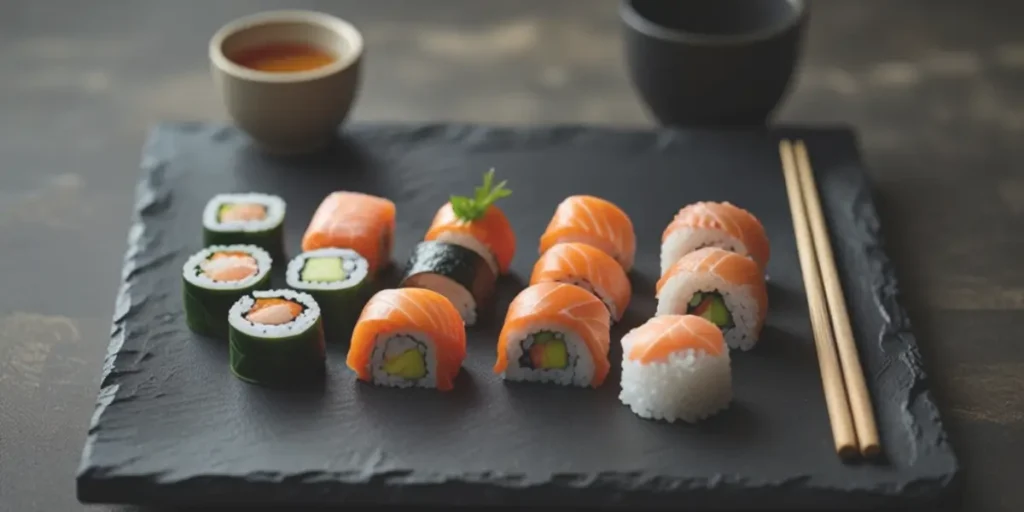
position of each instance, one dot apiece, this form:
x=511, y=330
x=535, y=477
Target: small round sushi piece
x=276, y=338
x=711, y=224
x=675, y=367
x=589, y=268
x=362, y=222
x=217, y=276
x=408, y=337
x=338, y=280
x=459, y=274
x=593, y=221
x=721, y=286
x=555, y=333
x=245, y=218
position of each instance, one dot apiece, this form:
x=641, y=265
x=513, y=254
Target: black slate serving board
x=172, y=426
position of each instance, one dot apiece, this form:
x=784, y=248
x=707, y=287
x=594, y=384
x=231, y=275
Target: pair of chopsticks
x=846, y=394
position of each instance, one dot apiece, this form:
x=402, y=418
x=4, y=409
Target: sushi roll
x=357, y=221
x=711, y=224
x=408, y=337
x=276, y=338
x=245, y=218
x=589, y=268
x=675, y=367
x=337, y=279
x=459, y=274
x=724, y=287
x=217, y=276
x=556, y=333
x=593, y=221
x=476, y=223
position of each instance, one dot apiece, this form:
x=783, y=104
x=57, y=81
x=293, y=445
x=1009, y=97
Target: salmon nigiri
x=357, y=221
x=408, y=337
x=724, y=287
x=590, y=268
x=593, y=221
x=675, y=367
x=711, y=224
x=555, y=332
x=477, y=224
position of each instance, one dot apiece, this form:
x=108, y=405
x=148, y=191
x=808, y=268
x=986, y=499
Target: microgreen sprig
x=473, y=208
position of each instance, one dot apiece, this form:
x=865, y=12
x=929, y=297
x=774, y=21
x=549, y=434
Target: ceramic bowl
x=292, y=112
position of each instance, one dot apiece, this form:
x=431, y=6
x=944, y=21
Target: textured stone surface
x=172, y=425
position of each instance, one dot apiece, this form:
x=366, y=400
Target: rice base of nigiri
x=740, y=322
x=686, y=240
x=689, y=385
x=548, y=352
x=404, y=359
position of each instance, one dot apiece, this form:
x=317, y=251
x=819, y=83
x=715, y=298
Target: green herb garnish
x=473, y=208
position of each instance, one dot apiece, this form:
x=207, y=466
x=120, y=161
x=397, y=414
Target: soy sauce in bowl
x=283, y=57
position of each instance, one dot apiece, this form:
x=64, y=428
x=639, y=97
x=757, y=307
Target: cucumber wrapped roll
x=217, y=276
x=245, y=218
x=277, y=338
x=338, y=279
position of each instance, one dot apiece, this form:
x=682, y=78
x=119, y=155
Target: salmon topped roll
x=408, y=337
x=593, y=221
x=711, y=224
x=357, y=221
x=721, y=286
x=675, y=367
x=589, y=268
x=477, y=224
x=555, y=332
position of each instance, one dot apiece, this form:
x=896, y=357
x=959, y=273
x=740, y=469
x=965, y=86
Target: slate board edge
x=104, y=484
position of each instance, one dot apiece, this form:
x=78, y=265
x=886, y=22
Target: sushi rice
x=274, y=205
x=689, y=386
x=192, y=270
x=303, y=322
x=579, y=369
x=686, y=240
x=740, y=301
x=395, y=344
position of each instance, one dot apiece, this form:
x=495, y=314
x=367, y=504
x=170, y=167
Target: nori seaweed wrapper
x=463, y=266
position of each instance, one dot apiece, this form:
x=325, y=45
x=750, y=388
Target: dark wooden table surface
x=936, y=89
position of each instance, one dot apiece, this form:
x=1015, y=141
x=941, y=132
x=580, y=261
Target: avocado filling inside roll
x=273, y=311
x=229, y=266
x=325, y=270
x=544, y=350
x=710, y=306
x=241, y=212
x=406, y=358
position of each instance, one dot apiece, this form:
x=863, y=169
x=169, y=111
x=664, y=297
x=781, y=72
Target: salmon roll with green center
x=589, y=268
x=721, y=286
x=555, y=333
x=245, y=218
x=593, y=221
x=276, y=338
x=711, y=224
x=408, y=337
x=478, y=224
x=217, y=276
x=676, y=367
x=357, y=221
x=338, y=281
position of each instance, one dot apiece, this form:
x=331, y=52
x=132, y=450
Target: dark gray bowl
x=712, y=62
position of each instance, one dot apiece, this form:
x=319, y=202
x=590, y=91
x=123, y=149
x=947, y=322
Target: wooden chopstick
x=853, y=374
x=843, y=433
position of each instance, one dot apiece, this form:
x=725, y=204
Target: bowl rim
x=645, y=26
x=343, y=28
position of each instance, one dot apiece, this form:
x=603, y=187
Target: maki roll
x=408, y=337
x=723, y=287
x=589, y=268
x=357, y=221
x=336, y=278
x=675, y=367
x=593, y=221
x=710, y=224
x=217, y=276
x=245, y=218
x=476, y=223
x=276, y=338
x=557, y=333
x=459, y=274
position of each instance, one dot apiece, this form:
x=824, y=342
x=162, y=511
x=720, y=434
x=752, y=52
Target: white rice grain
x=689, y=386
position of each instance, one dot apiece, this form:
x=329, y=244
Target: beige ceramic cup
x=287, y=113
